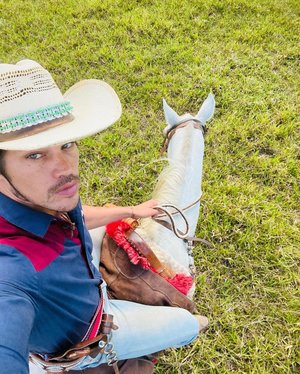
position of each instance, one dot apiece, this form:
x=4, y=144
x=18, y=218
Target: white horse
x=180, y=185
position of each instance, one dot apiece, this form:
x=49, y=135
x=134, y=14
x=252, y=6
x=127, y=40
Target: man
x=49, y=288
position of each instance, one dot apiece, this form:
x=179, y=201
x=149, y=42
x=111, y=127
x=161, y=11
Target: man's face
x=47, y=177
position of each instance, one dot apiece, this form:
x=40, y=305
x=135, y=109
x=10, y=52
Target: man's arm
x=16, y=321
x=101, y=216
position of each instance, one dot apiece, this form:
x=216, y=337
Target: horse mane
x=168, y=184
x=171, y=180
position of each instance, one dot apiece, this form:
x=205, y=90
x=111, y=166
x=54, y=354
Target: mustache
x=62, y=181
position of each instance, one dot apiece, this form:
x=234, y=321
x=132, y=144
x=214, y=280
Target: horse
x=179, y=186
x=178, y=192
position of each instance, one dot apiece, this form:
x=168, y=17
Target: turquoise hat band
x=21, y=121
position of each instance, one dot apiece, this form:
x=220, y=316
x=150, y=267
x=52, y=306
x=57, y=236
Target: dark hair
x=2, y=153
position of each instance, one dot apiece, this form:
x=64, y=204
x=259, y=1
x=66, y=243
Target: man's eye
x=68, y=145
x=34, y=156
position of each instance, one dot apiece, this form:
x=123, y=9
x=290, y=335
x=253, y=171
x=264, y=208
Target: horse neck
x=180, y=182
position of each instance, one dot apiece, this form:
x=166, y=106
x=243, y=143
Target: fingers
x=145, y=209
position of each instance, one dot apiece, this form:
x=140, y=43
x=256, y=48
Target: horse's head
x=204, y=114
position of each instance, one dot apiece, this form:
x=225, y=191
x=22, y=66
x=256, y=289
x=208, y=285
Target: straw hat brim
x=96, y=106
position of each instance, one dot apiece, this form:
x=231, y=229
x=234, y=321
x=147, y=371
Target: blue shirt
x=48, y=284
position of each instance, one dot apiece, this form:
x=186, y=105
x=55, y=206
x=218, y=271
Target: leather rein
x=191, y=240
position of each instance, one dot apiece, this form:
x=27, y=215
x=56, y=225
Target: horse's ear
x=171, y=116
x=207, y=109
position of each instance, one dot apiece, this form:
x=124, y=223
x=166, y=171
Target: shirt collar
x=25, y=217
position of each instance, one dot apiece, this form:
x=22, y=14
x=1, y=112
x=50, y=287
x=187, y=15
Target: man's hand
x=101, y=216
x=146, y=209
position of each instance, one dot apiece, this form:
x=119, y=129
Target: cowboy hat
x=34, y=113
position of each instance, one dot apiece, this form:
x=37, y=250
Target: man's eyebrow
x=41, y=150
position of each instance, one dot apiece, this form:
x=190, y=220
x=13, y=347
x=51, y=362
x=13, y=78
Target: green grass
x=247, y=53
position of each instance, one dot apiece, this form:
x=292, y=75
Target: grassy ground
x=247, y=53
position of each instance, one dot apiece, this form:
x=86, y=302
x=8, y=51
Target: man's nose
x=62, y=165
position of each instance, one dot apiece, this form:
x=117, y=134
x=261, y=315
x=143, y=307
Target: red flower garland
x=116, y=230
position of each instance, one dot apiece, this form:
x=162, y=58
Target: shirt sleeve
x=16, y=321
x=17, y=315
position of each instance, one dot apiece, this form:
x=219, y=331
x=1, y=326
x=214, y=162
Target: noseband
x=196, y=123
